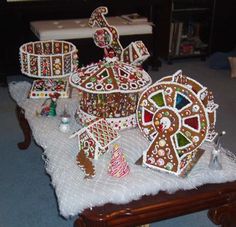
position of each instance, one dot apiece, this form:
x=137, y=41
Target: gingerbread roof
x=110, y=76
x=102, y=133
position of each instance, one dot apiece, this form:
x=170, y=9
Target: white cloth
x=74, y=194
x=79, y=28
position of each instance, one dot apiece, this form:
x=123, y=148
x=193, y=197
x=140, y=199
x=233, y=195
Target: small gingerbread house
x=95, y=138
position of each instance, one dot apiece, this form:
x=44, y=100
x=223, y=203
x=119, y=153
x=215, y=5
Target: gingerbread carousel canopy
x=48, y=59
x=50, y=62
x=177, y=114
x=110, y=76
x=110, y=88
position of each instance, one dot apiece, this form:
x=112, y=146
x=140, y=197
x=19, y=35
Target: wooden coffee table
x=219, y=199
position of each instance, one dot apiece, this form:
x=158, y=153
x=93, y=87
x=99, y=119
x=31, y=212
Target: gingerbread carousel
x=110, y=88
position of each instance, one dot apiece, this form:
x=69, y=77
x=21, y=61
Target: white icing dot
x=57, y=72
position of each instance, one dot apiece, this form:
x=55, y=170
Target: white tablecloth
x=74, y=194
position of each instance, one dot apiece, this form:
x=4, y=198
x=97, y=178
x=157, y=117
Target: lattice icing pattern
x=174, y=115
x=121, y=123
x=96, y=137
x=103, y=133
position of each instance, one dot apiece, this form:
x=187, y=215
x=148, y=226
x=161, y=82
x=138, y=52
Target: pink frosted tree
x=118, y=166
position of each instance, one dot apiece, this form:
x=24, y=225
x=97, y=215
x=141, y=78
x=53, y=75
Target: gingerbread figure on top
x=107, y=37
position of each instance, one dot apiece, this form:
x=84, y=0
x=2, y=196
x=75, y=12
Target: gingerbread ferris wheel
x=176, y=114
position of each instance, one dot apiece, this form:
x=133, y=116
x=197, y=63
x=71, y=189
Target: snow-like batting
x=74, y=193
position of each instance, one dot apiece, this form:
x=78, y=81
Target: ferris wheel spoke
x=150, y=131
x=188, y=132
x=187, y=111
x=161, y=154
x=170, y=99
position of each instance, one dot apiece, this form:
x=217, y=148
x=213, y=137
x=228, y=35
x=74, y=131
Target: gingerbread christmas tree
x=118, y=166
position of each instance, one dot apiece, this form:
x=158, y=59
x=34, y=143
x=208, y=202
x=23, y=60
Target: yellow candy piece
x=156, y=122
x=162, y=143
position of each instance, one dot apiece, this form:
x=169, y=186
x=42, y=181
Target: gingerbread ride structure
x=50, y=62
x=110, y=88
x=176, y=114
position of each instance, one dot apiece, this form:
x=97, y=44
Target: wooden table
x=220, y=199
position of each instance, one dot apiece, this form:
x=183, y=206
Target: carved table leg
x=25, y=128
x=224, y=216
x=79, y=222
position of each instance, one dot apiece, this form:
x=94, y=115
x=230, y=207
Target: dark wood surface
x=219, y=199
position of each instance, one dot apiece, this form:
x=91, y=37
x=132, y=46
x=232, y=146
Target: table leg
x=79, y=222
x=25, y=128
x=224, y=215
